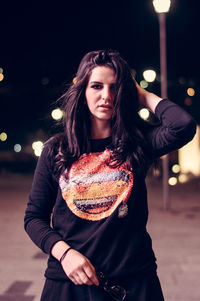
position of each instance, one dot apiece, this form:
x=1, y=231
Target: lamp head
x=161, y=6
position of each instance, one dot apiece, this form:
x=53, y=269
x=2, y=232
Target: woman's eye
x=96, y=87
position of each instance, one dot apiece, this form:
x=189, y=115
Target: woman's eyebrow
x=95, y=82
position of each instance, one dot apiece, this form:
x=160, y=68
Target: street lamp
x=162, y=7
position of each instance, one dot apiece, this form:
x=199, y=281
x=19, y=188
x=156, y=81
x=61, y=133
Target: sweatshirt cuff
x=50, y=242
x=164, y=103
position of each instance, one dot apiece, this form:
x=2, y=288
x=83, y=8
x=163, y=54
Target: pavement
x=175, y=234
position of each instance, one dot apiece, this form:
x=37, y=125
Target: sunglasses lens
x=117, y=292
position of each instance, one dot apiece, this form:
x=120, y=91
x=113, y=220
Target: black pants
x=143, y=288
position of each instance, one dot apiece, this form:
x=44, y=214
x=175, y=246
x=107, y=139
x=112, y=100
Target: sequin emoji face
x=100, y=93
x=93, y=190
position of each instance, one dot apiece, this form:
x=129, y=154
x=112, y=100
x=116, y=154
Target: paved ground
x=175, y=234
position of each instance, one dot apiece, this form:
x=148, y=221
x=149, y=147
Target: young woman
x=91, y=179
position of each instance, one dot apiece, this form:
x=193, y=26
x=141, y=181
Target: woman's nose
x=107, y=94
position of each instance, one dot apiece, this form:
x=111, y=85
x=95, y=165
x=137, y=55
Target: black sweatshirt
x=98, y=210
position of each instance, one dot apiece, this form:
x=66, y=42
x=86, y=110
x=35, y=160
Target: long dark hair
x=127, y=140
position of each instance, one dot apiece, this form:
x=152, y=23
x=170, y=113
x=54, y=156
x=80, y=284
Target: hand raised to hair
x=141, y=94
x=147, y=99
x=79, y=269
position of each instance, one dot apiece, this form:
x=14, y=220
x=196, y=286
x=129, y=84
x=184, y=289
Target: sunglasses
x=117, y=292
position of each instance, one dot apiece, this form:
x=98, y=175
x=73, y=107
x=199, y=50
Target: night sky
x=42, y=44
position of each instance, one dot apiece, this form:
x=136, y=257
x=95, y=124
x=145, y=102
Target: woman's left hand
x=79, y=269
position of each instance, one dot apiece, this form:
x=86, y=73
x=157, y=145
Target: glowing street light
x=162, y=7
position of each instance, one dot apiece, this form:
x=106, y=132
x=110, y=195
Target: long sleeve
x=176, y=129
x=41, y=201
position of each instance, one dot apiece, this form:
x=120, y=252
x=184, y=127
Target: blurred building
x=189, y=156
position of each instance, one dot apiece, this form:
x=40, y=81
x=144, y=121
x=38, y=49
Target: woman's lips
x=105, y=107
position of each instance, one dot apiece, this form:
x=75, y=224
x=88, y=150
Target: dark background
x=41, y=45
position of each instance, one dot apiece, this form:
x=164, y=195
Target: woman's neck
x=100, y=130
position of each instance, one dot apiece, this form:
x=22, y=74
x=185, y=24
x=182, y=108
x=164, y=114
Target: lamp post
x=162, y=7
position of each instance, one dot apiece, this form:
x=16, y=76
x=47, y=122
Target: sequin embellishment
x=93, y=190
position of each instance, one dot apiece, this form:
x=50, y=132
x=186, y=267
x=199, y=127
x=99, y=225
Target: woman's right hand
x=79, y=269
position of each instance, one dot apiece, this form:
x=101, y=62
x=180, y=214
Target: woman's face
x=100, y=93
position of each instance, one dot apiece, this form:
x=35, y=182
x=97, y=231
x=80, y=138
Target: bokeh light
x=183, y=178
x=188, y=101
x=1, y=77
x=37, y=147
x=17, y=148
x=57, y=114
x=190, y=92
x=144, y=113
x=3, y=136
x=143, y=84
x=172, y=181
x=1, y=70
x=176, y=168
x=149, y=75
x=74, y=80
